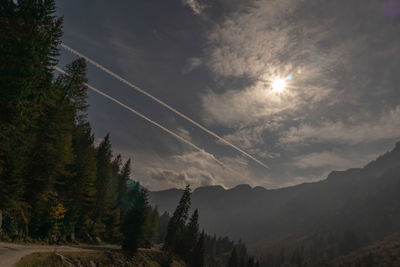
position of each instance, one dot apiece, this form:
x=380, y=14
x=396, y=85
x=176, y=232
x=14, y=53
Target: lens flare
x=278, y=85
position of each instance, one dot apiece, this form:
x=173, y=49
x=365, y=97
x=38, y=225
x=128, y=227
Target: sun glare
x=278, y=85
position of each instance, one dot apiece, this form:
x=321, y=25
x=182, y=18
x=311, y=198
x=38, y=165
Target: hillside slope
x=350, y=208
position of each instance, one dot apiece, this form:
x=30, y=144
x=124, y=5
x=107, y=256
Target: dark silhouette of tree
x=104, y=173
x=233, y=260
x=162, y=226
x=29, y=37
x=176, y=225
x=151, y=227
x=185, y=246
x=250, y=262
x=78, y=189
x=198, y=254
x=134, y=223
x=123, y=178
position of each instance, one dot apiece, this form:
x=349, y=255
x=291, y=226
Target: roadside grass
x=40, y=259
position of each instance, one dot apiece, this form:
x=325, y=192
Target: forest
x=57, y=185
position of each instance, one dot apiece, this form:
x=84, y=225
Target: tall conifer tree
x=198, y=254
x=176, y=225
x=29, y=35
x=134, y=223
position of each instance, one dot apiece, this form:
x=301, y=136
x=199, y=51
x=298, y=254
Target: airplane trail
x=146, y=118
x=116, y=76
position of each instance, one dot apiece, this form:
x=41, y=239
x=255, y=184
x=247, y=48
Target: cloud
x=247, y=138
x=197, y=169
x=249, y=40
x=263, y=42
x=333, y=57
x=251, y=139
x=332, y=160
x=343, y=58
x=183, y=133
x=167, y=175
x=191, y=64
x=385, y=127
x=343, y=70
x=195, y=5
x=257, y=104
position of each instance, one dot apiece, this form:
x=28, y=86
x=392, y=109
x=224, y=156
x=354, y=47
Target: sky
x=216, y=61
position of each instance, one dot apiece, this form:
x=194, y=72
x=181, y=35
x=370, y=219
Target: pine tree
x=29, y=35
x=114, y=181
x=78, y=189
x=81, y=186
x=198, y=254
x=134, y=223
x=104, y=173
x=113, y=214
x=151, y=227
x=185, y=246
x=250, y=262
x=176, y=225
x=163, y=222
x=233, y=260
x=123, y=179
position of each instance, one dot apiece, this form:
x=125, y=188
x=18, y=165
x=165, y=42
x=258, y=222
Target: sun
x=278, y=85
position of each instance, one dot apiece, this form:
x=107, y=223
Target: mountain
x=349, y=209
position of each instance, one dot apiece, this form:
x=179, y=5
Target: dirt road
x=10, y=254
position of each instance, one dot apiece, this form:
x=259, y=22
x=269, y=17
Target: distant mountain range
x=352, y=208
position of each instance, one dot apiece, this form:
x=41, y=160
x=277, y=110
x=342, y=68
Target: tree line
x=183, y=238
x=55, y=183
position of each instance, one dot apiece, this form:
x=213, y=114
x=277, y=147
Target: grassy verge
x=144, y=257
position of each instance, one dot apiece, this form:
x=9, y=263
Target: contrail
x=163, y=104
x=145, y=118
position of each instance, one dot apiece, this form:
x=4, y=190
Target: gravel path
x=10, y=253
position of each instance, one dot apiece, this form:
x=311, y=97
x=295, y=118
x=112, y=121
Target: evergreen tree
x=151, y=227
x=176, y=225
x=114, y=180
x=123, y=179
x=185, y=246
x=78, y=189
x=133, y=225
x=233, y=260
x=250, y=262
x=81, y=186
x=163, y=221
x=29, y=35
x=112, y=215
x=104, y=172
x=198, y=254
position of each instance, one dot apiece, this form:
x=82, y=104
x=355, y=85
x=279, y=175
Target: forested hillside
x=55, y=184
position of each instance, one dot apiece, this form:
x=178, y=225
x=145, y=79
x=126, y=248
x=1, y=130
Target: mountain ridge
x=362, y=201
x=332, y=175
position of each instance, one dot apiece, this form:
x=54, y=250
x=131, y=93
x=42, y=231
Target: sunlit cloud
x=332, y=159
x=195, y=5
x=196, y=169
x=386, y=127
